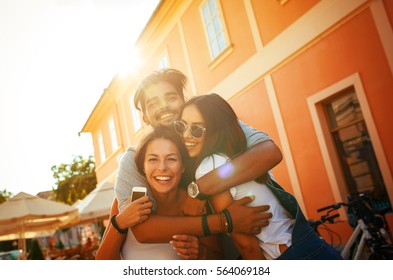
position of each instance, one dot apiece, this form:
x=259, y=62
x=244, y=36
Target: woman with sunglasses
x=213, y=136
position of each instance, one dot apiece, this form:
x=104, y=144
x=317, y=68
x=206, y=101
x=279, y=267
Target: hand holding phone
x=138, y=192
x=132, y=213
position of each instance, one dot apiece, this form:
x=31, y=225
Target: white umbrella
x=27, y=216
x=97, y=204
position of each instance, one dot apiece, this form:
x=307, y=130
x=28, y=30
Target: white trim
x=384, y=29
x=253, y=25
x=137, y=125
x=311, y=25
x=187, y=59
x=101, y=147
x=286, y=149
x=124, y=130
x=320, y=127
x=113, y=133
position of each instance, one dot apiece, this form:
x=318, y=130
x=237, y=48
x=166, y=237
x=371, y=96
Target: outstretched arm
x=160, y=229
x=132, y=213
x=248, y=166
x=262, y=155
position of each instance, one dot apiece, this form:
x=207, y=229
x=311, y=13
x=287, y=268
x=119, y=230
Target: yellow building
x=315, y=74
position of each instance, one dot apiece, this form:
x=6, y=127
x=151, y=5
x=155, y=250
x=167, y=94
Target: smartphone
x=138, y=192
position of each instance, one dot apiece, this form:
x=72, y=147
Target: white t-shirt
x=280, y=226
x=134, y=250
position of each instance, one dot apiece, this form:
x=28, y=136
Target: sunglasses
x=196, y=130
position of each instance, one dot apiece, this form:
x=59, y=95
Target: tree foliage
x=74, y=180
x=5, y=195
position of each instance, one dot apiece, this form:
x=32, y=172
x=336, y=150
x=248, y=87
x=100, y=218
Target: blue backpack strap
x=287, y=200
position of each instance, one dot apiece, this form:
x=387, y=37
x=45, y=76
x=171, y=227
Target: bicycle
x=371, y=238
x=320, y=224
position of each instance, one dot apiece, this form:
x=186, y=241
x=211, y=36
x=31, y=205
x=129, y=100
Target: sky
x=56, y=59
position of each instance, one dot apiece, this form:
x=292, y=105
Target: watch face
x=192, y=189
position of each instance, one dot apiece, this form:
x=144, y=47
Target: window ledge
x=223, y=55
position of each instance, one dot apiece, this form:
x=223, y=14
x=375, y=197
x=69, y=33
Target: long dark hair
x=223, y=132
x=162, y=132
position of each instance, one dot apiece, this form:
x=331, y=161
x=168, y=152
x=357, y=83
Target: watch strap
x=202, y=196
x=116, y=226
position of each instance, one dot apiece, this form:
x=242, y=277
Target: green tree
x=74, y=180
x=5, y=195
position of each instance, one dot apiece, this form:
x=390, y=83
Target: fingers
x=186, y=246
x=261, y=208
x=143, y=214
x=143, y=218
x=258, y=226
x=247, y=219
x=142, y=199
x=188, y=256
x=147, y=205
x=263, y=223
x=257, y=230
x=185, y=238
x=137, y=211
x=245, y=200
x=139, y=204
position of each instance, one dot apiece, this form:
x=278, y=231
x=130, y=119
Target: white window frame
x=112, y=132
x=101, y=146
x=135, y=115
x=164, y=60
x=315, y=105
x=215, y=48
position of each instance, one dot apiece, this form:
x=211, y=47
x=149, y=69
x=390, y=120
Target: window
x=164, y=61
x=214, y=28
x=112, y=131
x=136, y=118
x=353, y=145
x=101, y=147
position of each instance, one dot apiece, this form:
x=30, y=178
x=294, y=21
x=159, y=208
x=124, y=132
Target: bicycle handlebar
x=332, y=217
x=333, y=206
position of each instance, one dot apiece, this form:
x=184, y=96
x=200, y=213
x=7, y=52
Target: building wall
x=353, y=47
x=283, y=62
x=267, y=13
x=257, y=95
x=208, y=73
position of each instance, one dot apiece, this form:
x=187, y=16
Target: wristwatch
x=193, y=191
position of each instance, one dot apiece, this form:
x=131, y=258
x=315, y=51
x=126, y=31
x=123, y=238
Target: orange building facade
x=316, y=75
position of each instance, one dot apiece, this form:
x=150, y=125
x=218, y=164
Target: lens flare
x=226, y=170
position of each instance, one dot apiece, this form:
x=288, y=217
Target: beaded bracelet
x=229, y=220
x=223, y=222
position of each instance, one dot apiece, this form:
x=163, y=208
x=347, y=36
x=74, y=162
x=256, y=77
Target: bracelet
x=229, y=220
x=205, y=226
x=223, y=222
x=116, y=226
